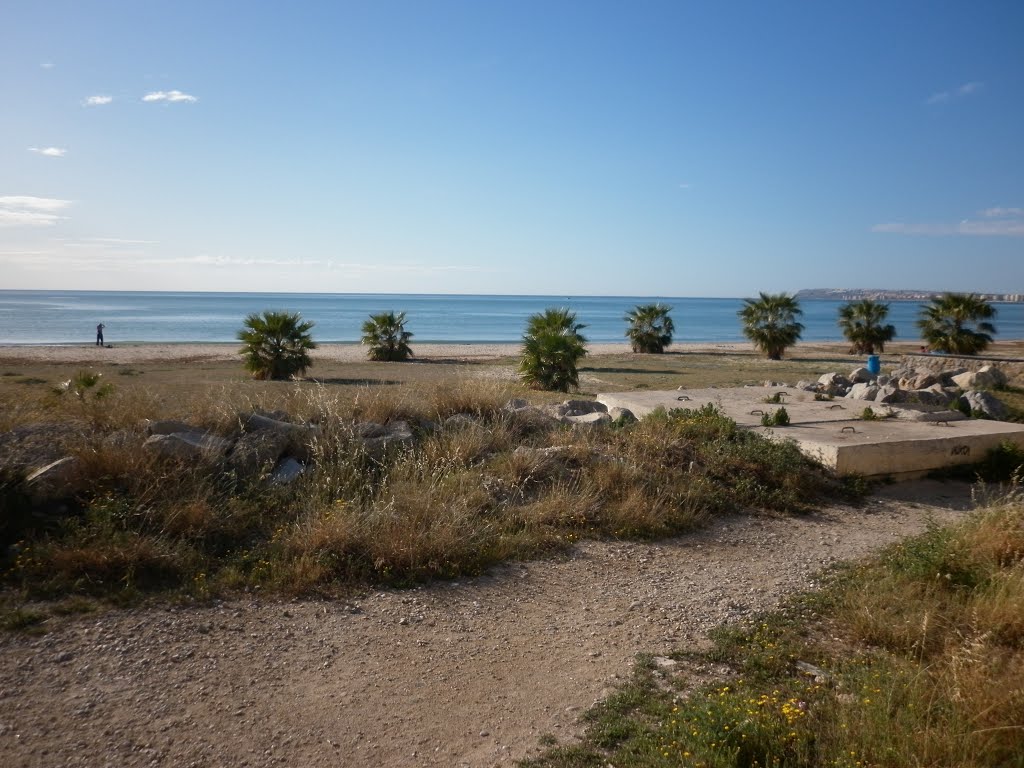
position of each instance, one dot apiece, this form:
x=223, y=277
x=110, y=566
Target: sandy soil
x=457, y=674
x=350, y=353
x=346, y=353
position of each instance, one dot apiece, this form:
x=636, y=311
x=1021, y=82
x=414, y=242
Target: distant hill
x=880, y=294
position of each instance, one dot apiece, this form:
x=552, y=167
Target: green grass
x=915, y=658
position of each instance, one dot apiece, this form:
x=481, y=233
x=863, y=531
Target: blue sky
x=649, y=148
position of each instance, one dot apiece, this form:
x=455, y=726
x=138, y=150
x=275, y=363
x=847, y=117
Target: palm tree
x=771, y=322
x=650, y=328
x=945, y=321
x=861, y=323
x=387, y=338
x=276, y=345
x=552, y=348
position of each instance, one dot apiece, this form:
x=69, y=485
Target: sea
x=129, y=317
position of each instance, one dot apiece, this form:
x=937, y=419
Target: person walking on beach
x=99, y=335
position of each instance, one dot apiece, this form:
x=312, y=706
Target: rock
x=167, y=427
x=287, y=471
x=554, y=452
x=369, y=429
x=60, y=479
x=834, y=384
x=579, y=408
x=622, y=415
x=297, y=435
x=890, y=393
x=909, y=413
x=881, y=380
x=985, y=404
x=534, y=419
x=187, y=446
x=807, y=386
x=926, y=397
x=861, y=376
x=918, y=380
x=862, y=391
x=459, y=421
x=998, y=377
x=986, y=377
x=516, y=404
x=396, y=434
x=946, y=377
x=255, y=451
x=588, y=419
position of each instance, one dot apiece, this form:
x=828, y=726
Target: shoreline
x=353, y=352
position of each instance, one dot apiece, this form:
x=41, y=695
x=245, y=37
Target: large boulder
x=378, y=438
x=834, y=384
x=986, y=377
x=287, y=471
x=187, y=446
x=861, y=376
x=578, y=408
x=985, y=404
x=926, y=397
x=61, y=479
x=918, y=380
x=588, y=419
x=459, y=421
x=890, y=393
x=622, y=415
x=862, y=391
x=254, y=452
x=167, y=427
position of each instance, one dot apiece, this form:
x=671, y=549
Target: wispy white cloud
x=26, y=211
x=994, y=222
x=169, y=96
x=47, y=65
x=120, y=241
x=1001, y=213
x=684, y=185
x=49, y=151
x=98, y=100
x=956, y=93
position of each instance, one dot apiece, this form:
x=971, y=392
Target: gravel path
x=457, y=674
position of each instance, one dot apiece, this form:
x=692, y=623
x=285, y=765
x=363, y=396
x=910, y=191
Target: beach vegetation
x=863, y=324
x=650, y=328
x=915, y=657
x=552, y=350
x=385, y=336
x=276, y=345
x=779, y=418
x=466, y=494
x=770, y=322
x=957, y=324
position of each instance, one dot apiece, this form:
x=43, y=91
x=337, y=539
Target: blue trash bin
x=874, y=365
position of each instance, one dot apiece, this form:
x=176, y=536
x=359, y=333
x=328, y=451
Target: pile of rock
x=960, y=390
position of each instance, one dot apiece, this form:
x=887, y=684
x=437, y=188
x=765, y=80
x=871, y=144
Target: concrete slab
x=838, y=437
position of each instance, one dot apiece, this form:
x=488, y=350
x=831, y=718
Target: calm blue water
x=70, y=317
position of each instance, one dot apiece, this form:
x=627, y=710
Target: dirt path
x=462, y=674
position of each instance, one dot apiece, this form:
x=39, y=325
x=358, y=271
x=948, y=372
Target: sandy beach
x=344, y=353
x=122, y=354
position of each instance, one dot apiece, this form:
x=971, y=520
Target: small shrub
x=868, y=414
x=779, y=418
